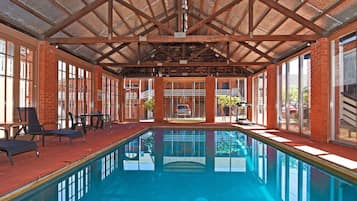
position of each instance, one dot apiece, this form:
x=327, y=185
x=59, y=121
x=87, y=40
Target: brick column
x=271, y=97
x=249, y=98
x=159, y=99
x=210, y=99
x=320, y=90
x=47, y=85
x=97, y=78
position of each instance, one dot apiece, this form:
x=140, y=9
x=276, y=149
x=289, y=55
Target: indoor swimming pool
x=195, y=165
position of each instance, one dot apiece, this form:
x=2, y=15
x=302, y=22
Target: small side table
x=7, y=126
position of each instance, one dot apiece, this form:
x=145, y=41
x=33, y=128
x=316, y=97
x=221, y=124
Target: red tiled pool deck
x=55, y=155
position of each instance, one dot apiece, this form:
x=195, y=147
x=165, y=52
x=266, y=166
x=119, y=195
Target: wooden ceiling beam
x=110, y=18
x=187, y=39
x=189, y=64
x=179, y=16
x=74, y=17
x=283, y=10
x=250, y=17
x=139, y=12
x=201, y=23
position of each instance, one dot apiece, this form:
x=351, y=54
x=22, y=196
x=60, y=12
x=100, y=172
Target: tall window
x=110, y=97
x=294, y=81
x=74, y=91
x=6, y=80
x=260, y=98
x=26, y=77
x=62, y=91
x=88, y=95
x=81, y=91
x=344, y=88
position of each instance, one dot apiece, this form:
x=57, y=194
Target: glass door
x=131, y=105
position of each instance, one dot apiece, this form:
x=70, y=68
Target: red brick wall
x=271, y=96
x=47, y=86
x=210, y=99
x=320, y=90
x=97, y=78
x=159, y=100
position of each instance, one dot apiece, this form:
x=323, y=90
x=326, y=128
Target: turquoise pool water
x=195, y=165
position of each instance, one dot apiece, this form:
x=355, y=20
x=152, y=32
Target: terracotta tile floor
x=27, y=167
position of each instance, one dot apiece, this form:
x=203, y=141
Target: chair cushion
x=13, y=147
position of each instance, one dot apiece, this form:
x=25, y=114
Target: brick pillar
x=97, y=78
x=159, y=99
x=271, y=98
x=249, y=98
x=210, y=99
x=320, y=90
x=47, y=85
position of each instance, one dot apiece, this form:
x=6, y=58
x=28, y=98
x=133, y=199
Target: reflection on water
x=196, y=165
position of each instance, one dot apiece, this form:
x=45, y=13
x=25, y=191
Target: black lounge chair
x=14, y=147
x=33, y=127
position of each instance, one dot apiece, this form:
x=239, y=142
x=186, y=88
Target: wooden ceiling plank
x=235, y=50
x=211, y=17
x=274, y=28
x=202, y=2
x=226, y=33
x=214, y=9
x=187, y=39
x=314, y=19
x=43, y=18
x=225, y=21
x=121, y=46
x=140, y=13
x=283, y=10
x=138, y=16
x=165, y=9
x=239, y=22
x=74, y=17
x=59, y=6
